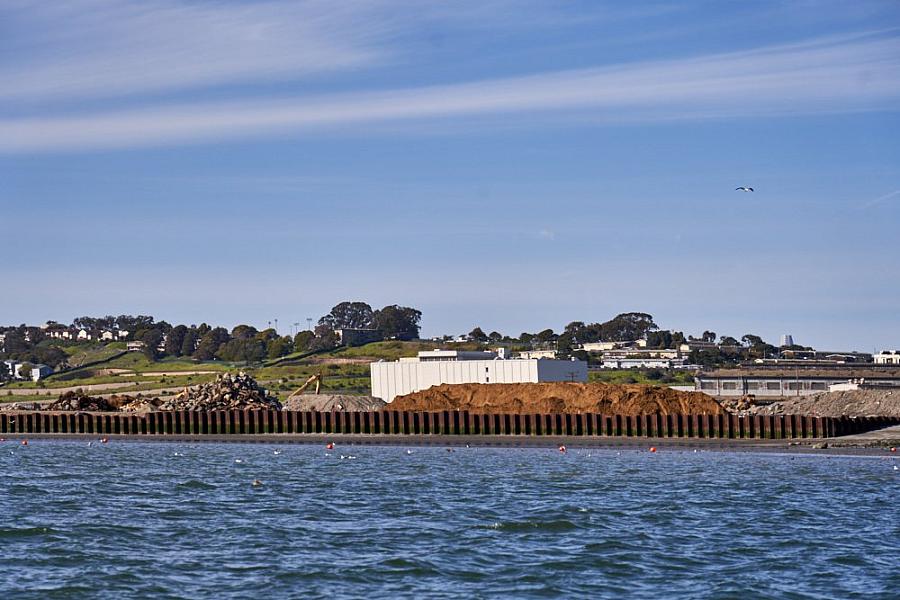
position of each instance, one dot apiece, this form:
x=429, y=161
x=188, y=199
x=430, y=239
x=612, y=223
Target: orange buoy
x=652, y=448
x=562, y=449
x=329, y=446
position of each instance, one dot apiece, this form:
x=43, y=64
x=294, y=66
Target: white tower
x=787, y=340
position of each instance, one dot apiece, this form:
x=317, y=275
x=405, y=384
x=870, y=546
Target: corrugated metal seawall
x=257, y=422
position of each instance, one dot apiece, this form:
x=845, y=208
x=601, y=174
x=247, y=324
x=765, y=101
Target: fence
x=265, y=422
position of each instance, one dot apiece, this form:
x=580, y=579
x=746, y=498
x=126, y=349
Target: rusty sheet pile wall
x=256, y=422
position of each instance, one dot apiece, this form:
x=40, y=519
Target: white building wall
x=392, y=379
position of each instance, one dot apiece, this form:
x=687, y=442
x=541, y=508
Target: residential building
x=434, y=367
x=691, y=345
x=134, y=346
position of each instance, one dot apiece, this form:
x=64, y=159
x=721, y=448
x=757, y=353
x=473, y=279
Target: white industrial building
x=430, y=368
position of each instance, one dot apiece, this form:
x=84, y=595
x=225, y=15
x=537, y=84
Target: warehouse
x=779, y=382
x=392, y=379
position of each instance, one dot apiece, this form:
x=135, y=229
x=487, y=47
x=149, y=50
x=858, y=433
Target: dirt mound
x=226, y=392
x=553, y=398
x=333, y=402
x=855, y=403
x=82, y=402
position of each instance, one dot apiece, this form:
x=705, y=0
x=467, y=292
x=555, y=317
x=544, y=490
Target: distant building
x=778, y=381
x=603, y=346
x=84, y=335
x=434, y=367
x=691, y=345
x=528, y=354
x=642, y=363
x=357, y=337
x=887, y=357
x=135, y=346
x=787, y=340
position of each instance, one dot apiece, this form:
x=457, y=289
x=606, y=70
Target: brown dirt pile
x=855, y=403
x=555, y=398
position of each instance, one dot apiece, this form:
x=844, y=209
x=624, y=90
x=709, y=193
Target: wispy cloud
x=822, y=75
x=107, y=48
x=880, y=199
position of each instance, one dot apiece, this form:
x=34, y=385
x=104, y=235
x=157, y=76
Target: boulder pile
x=79, y=401
x=226, y=392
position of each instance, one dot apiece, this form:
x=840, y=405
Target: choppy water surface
x=181, y=520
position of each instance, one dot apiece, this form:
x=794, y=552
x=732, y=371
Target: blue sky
x=512, y=165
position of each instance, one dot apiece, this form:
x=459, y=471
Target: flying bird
x=743, y=189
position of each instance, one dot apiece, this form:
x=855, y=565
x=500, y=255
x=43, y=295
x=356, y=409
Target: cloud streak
x=819, y=76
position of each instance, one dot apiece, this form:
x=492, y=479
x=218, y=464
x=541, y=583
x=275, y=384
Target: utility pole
x=276, y=325
x=309, y=323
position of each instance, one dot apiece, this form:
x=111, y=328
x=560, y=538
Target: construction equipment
x=317, y=378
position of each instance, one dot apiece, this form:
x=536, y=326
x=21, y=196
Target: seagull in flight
x=743, y=189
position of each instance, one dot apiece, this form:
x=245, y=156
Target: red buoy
x=329, y=446
x=562, y=449
x=24, y=442
x=104, y=440
x=652, y=448
x=893, y=448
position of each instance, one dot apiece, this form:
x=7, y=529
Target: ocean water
x=172, y=520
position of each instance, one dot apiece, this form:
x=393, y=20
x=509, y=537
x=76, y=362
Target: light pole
x=276, y=325
x=309, y=323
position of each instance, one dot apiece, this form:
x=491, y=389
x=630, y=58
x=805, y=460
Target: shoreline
x=836, y=446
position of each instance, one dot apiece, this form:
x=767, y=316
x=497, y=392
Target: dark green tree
x=477, y=335
x=175, y=340
x=349, y=315
x=397, y=322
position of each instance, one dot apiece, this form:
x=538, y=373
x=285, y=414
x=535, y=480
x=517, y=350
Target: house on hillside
x=134, y=346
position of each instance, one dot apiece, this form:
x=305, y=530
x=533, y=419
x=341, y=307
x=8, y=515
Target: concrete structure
x=430, y=368
x=777, y=382
x=887, y=357
x=357, y=337
x=787, y=340
x=134, y=346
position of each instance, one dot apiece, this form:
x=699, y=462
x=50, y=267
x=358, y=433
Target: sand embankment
x=555, y=398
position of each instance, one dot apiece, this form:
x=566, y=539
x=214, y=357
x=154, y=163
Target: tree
x=495, y=336
x=175, y=340
x=189, y=343
x=752, y=340
x=545, y=336
x=727, y=340
x=349, y=315
x=242, y=350
x=325, y=339
x=627, y=327
x=4, y=372
x=280, y=346
x=397, y=322
x=709, y=336
x=303, y=339
x=526, y=337
x=244, y=332
x=152, y=338
x=24, y=370
x=210, y=343
x=477, y=335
